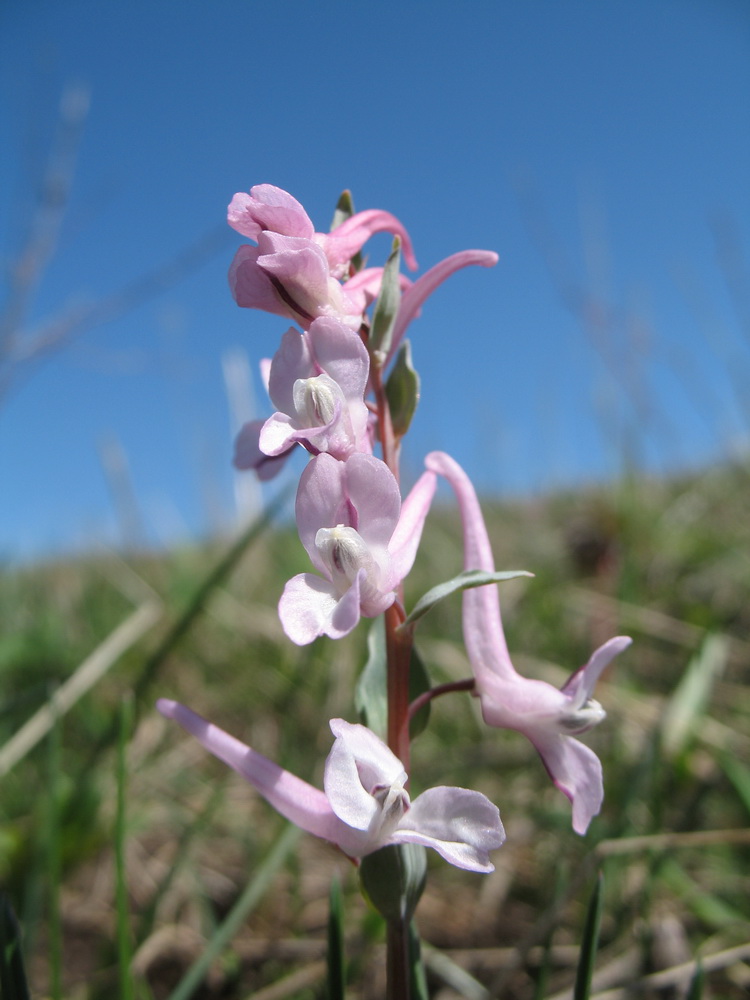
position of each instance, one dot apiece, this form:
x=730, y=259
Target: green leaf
x=687, y=704
x=344, y=211
x=464, y=581
x=590, y=942
x=386, y=308
x=13, y=985
x=371, y=694
x=335, y=956
x=417, y=977
x=695, y=990
x=393, y=879
x=739, y=775
x=402, y=390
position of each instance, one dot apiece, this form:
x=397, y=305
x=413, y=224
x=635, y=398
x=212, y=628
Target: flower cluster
x=335, y=400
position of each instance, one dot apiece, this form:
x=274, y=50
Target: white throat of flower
x=317, y=400
x=345, y=553
x=579, y=719
x=394, y=802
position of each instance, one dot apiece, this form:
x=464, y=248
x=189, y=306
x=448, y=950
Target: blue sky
x=597, y=147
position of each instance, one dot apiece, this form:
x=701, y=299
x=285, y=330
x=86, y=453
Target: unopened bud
x=393, y=879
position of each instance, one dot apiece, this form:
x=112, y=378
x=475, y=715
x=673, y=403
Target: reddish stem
x=398, y=643
x=468, y=685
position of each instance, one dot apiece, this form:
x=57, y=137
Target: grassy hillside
x=121, y=882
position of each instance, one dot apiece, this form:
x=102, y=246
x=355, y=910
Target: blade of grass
x=54, y=865
x=124, y=945
x=590, y=942
x=13, y=985
x=244, y=906
x=182, y=626
x=695, y=991
x=691, y=695
x=93, y=668
x=335, y=955
x=146, y=925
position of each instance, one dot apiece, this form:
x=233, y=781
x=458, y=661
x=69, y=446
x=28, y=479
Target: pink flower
x=365, y=805
x=360, y=538
x=294, y=271
x=317, y=382
x=289, y=276
x=270, y=209
x=247, y=453
x=547, y=716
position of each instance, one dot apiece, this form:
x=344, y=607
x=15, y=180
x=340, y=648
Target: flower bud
x=393, y=879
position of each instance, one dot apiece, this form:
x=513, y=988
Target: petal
x=580, y=686
x=295, y=799
x=293, y=360
x=268, y=207
x=415, y=296
x=358, y=763
x=277, y=436
x=306, y=607
x=320, y=496
x=460, y=824
x=342, y=243
x=521, y=703
x=251, y=286
x=483, y=627
x=340, y=353
x=405, y=539
x=311, y=606
x=577, y=772
x=300, y=267
x=247, y=453
x=373, y=491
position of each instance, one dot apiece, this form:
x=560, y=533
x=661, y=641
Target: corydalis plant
x=344, y=388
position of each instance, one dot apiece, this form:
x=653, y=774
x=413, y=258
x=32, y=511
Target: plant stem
x=388, y=440
x=467, y=685
x=397, y=963
x=398, y=643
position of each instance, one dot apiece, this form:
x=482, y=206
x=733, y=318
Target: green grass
x=161, y=874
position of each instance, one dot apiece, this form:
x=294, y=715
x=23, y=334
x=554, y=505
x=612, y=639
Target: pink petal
x=251, y=286
x=291, y=361
x=373, y=491
x=247, y=453
x=580, y=686
x=295, y=799
x=460, y=824
x=310, y=607
x=414, y=297
x=483, y=627
x=577, y=772
x=358, y=763
x=348, y=238
x=306, y=607
x=340, y=353
x=277, y=436
x=268, y=207
x=299, y=270
x=320, y=497
x=405, y=539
